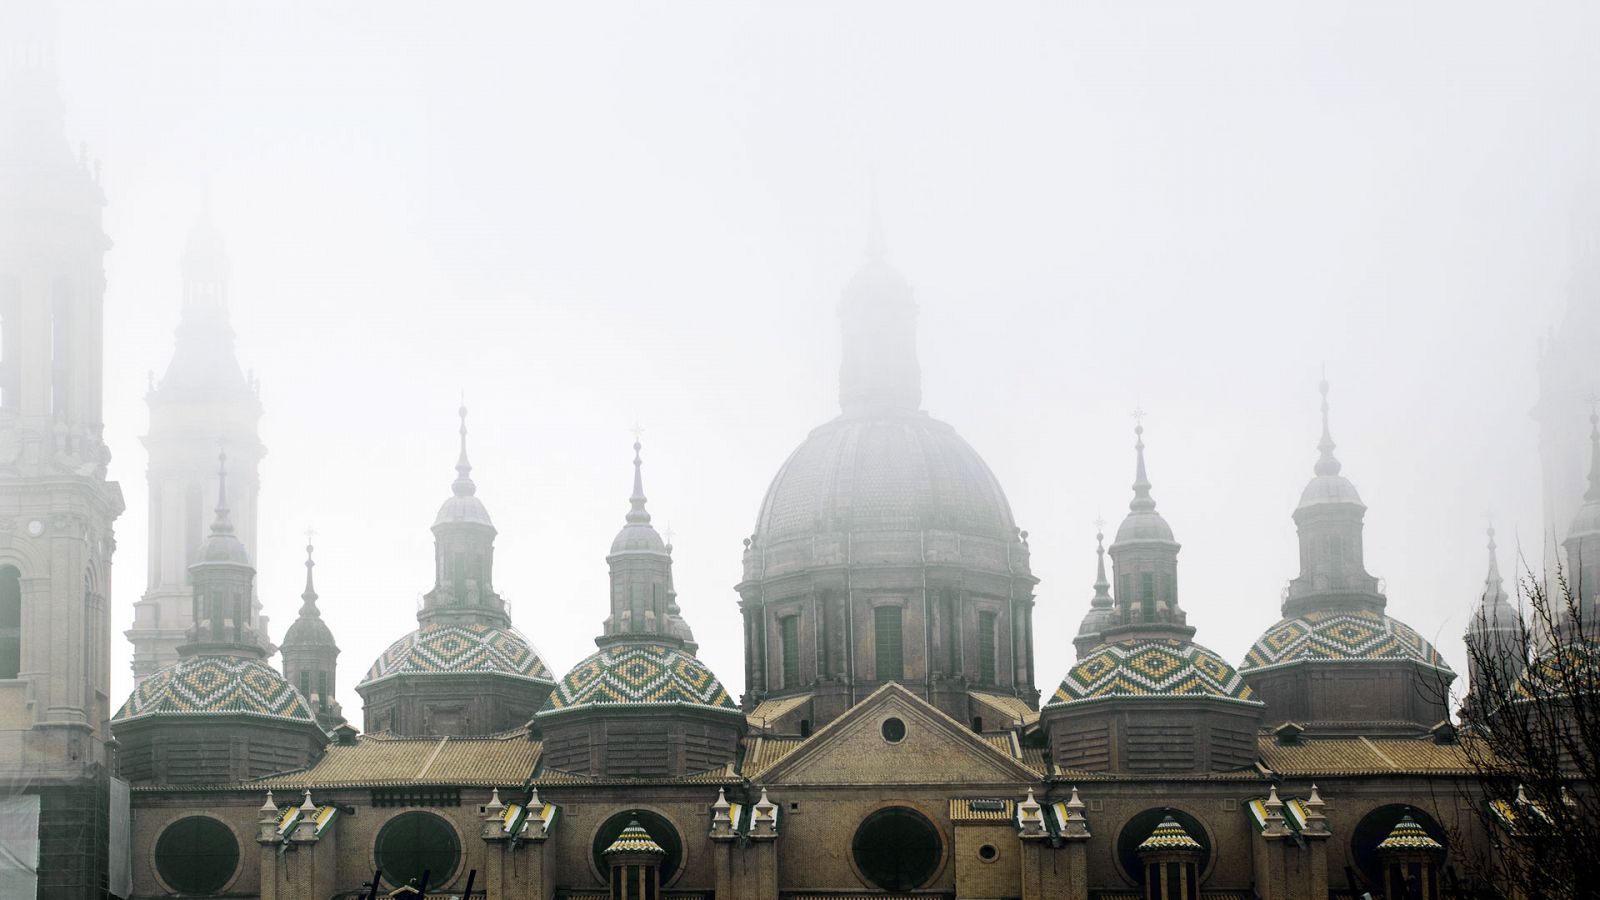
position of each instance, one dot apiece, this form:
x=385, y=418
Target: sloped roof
x=217, y=686
x=642, y=674
x=376, y=761
x=1152, y=668
x=771, y=710
x=1364, y=756
x=1340, y=635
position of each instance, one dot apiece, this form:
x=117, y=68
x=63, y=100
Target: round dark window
x=897, y=848
x=661, y=831
x=197, y=855
x=415, y=843
x=894, y=730
x=1376, y=825
x=1139, y=827
x=988, y=853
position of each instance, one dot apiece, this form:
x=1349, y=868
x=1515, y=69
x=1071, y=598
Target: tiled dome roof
x=1151, y=667
x=639, y=675
x=1408, y=835
x=1553, y=671
x=447, y=648
x=217, y=685
x=893, y=472
x=1340, y=635
x=1169, y=835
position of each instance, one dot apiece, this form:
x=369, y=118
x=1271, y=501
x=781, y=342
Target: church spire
x=1102, y=587
x=1144, y=557
x=1142, y=501
x=1101, y=614
x=223, y=523
x=637, y=514
x=463, y=486
x=308, y=598
x=878, y=371
x=641, y=571
x=1327, y=463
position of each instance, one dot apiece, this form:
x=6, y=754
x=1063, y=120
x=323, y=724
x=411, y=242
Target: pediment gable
x=935, y=749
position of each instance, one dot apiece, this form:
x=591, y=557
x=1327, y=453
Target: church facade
x=892, y=738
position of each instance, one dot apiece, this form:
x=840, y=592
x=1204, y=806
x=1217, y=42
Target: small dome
x=1340, y=635
x=447, y=648
x=639, y=675
x=308, y=631
x=1096, y=620
x=1170, y=835
x=465, y=508
x=1329, y=489
x=894, y=472
x=1146, y=525
x=1151, y=667
x=217, y=686
x=224, y=547
x=1587, y=522
x=636, y=538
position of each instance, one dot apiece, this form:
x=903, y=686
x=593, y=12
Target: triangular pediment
x=935, y=749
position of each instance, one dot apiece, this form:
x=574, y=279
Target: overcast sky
x=587, y=214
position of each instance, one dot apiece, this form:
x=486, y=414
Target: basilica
x=893, y=736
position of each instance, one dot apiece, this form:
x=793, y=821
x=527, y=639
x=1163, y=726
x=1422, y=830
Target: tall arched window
x=987, y=647
x=789, y=633
x=889, y=652
x=10, y=622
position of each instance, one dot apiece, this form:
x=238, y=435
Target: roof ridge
x=431, y=757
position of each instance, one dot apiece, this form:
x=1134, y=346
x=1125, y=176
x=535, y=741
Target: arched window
x=414, y=843
x=889, y=653
x=197, y=855
x=789, y=636
x=10, y=622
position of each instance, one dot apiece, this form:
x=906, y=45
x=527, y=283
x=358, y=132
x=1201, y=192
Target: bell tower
x=203, y=398
x=56, y=506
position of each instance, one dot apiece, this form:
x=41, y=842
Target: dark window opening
x=988, y=649
x=988, y=853
x=1139, y=827
x=789, y=636
x=197, y=855
x=416, y=842
x=894, y=730
x=897, y=849
x=889, y=653
x=805, y=728
x=10, y=622
x=1147, y=595
x=977, y=724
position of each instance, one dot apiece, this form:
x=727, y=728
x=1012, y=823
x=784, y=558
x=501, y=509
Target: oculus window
x=414, y=843
x=197, y=855
x=897, y=849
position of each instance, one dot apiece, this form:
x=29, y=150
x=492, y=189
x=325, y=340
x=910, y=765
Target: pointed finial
x=1142, y=501
x=463, y=485
x=224, y=522
x=1327, y=463
x=636, y=512
x=309, y=605
x=1102, y=585
x=271, y=805
x=308, y=806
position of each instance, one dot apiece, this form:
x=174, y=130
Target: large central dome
x=893, y=472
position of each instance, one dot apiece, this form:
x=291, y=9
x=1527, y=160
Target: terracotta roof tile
x=1363, y=756
x=386, y=761
x=763, y=753
x=771, y=710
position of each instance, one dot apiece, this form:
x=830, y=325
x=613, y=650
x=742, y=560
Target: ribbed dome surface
x=1329, y=489
x=896, y=472
x=463, y=508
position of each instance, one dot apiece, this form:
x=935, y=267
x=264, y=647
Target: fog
x=582, y=216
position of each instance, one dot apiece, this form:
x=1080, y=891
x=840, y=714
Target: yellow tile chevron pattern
x=1151, y=668
x=447, y=648
x=639, y=675
x=1340, y=634
x=216, y=685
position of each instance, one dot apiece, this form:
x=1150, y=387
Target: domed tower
x=885, y=549
x=465, y=670
x=643, y=705
x=1336, y=662
x=219, y=714
x=310, y=656
x=1582, y=544
x=1147, y=698
x=1495, y=643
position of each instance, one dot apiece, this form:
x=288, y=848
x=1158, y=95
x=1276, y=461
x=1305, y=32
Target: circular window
x=897, y=848
x=988, y=853
x=416, y=843
x=1376, y=825
x=894, y=730
x=661, y=831
x=197, y=855
x=1139, y=827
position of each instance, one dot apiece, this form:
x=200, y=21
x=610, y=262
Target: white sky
x=584, y=214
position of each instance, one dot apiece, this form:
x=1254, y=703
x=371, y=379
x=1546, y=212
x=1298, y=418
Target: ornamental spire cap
x=463, y=485
x=223, y=524
x=1102, y=585
x=308, y=606
x=637, y=514
x=1327, y=463
x=1142, y=501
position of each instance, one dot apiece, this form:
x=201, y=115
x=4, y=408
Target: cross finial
x=311, y=533
x=1138, y=413
x=668, y=534
x=638, y=431
x=1100, y=523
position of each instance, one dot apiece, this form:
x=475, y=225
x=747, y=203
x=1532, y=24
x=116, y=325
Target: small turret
x=310, y=656
x=1101, y=614
x=463, y=590
x=1144, y=559
x=641, y=573
x=224, y=586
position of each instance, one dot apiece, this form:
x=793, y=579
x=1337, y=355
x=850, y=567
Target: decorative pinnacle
x=309, y=606
x=223, y=523
x=1327, y=463
x=1142, y=501
x=637, y=515
x=463, y=485
x=1102, y=586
